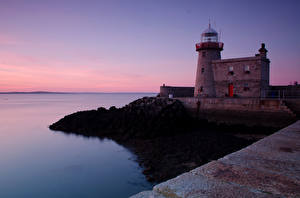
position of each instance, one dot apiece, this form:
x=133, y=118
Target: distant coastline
x=33, y=92
x=49, y=92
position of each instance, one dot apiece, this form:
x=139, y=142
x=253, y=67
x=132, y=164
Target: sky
x=137, y=45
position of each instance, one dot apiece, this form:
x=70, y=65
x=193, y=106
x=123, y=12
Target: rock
x=159, y=131
x=112, y=108
x=147, y=117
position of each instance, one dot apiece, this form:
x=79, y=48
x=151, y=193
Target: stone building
x=216, y=77
x=236, y=91
x=237, y=77
x=246, y=77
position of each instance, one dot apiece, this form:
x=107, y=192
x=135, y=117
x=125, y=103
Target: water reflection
x=37, y=162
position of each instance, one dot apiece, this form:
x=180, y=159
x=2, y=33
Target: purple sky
x=113, y=46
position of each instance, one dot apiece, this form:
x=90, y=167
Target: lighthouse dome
x=209, y=35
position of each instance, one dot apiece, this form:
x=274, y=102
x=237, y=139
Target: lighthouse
x=246, y=77
x=208, y=49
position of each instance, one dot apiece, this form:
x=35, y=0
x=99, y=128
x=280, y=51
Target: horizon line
x=66, y=92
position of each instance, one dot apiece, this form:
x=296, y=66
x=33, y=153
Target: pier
x=269, y=167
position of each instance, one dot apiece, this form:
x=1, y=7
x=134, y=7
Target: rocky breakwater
x=166, y=140
x=145, y=118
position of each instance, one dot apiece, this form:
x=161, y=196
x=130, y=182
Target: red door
x=230, y=90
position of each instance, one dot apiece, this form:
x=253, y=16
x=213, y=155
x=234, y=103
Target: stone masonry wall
x=246, y=83
x=204, y=85
x=165, y=91
x=241, y=111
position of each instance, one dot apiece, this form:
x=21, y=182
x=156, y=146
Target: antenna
x=209, y=22
x=220, y=35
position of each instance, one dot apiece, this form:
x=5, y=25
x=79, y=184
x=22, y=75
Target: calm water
x=37, y=162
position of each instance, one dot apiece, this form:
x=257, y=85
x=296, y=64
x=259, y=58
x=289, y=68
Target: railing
x=213, y=45
x=281, y=94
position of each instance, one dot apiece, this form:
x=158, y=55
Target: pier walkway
x=268, y=168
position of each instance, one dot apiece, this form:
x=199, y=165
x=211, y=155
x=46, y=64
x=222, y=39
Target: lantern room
x=209, y=35
x=209, y=40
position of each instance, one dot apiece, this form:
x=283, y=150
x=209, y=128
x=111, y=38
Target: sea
x=38, y=162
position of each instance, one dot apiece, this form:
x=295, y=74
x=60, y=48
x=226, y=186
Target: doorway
x=230, y=90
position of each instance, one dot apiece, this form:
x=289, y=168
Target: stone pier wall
x=267, y=168
x=245, y=111
x=166, y=91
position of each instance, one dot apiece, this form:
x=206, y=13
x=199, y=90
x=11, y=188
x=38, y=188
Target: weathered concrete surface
x=267, y=168
x=150, y=194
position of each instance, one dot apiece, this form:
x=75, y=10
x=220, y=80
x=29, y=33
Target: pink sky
x=118, y=47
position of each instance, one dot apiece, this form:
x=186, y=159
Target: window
x=200, y=89
x=203, y=54
x=230, y=70
x=247, y=69
x=246, y=87
x=202, y=70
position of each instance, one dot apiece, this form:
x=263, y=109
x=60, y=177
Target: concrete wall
x=246, y=84
x=165, y=91
x=267, y=168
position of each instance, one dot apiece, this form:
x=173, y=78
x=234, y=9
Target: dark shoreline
x=49, y=92
x=166, y=141
x=164, y=158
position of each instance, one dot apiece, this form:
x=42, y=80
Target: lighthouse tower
x=208, y=50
